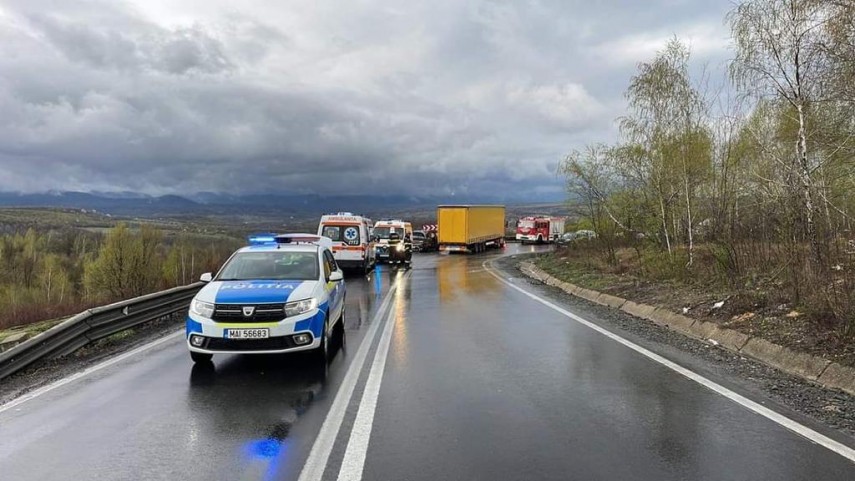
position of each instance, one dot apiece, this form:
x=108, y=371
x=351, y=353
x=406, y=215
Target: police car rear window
x=296, y=266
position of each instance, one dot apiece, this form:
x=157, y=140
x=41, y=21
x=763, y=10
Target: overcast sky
x=440, y=97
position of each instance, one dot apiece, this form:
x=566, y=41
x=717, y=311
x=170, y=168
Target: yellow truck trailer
x=470, y=228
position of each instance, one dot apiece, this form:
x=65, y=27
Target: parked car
x=567, y=238
x=424, y=241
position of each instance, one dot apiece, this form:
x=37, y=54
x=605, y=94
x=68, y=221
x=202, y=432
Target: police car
x=282, y=293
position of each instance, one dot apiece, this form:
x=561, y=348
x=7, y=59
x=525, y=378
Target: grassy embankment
x=757, y=305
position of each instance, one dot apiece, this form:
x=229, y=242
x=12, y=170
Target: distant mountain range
x=207, y=203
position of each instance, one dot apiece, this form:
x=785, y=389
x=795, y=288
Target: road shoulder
x=50, y=371
x=831, y=409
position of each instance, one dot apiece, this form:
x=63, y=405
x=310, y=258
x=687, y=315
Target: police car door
x=335, y=289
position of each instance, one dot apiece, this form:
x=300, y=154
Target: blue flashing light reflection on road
x=378, y=280
x=263, y=448
x=269, y=451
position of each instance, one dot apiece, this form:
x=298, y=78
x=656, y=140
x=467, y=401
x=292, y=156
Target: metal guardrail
x=94, y=324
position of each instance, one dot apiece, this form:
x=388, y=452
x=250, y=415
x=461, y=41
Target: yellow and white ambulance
x=353, y=246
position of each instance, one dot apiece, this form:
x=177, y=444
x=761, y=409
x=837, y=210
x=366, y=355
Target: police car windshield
x=280, y=266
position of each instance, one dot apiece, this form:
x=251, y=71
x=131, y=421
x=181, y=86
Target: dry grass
x=764, y=293
x=33, y=313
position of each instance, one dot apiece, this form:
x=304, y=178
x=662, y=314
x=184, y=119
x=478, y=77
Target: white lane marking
x=316, y=463
x=360, y=435
x=780, y=419
x=86, y=372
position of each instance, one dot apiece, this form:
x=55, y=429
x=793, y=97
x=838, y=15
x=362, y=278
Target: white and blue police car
x=282, y=293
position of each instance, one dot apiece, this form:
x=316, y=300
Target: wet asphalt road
x=480, y=382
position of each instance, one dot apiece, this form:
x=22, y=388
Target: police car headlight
x=204, y=309
x=300, y=307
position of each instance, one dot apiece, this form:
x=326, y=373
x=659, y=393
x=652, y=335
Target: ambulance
x=352, y=247
x=394, y=241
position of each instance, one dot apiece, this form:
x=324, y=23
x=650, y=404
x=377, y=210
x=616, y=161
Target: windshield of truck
x=526, y=224
x=349, y=234
x=280, y=266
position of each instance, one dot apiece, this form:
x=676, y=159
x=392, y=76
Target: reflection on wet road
x=480, y=382
x=157, y=416
x=256, y=399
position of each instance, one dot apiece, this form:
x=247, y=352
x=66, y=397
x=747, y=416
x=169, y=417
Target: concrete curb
x=804, y=365
x=812, y=368
x=638, y=310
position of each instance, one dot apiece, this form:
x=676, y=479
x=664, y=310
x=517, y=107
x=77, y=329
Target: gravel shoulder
x=754, y=312
x=807, y=402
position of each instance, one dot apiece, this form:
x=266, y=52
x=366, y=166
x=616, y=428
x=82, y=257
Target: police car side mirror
x=336, y=276
x=206, y=277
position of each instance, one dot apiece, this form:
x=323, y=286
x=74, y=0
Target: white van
x=397, y=248
x=353, y=247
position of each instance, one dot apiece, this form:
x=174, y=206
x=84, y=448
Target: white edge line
x=360, y=435
x=316, y=463
x=778, y=418
x=88, y=371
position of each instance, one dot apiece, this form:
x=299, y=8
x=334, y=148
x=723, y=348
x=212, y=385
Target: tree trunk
x=689, y=220
x=49, y=274
x=807, y=188
x=665, y=224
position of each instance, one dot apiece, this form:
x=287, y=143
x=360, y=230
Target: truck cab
x=539, y=229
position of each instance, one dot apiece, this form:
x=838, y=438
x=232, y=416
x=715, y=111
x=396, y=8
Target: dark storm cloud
x=424, y=97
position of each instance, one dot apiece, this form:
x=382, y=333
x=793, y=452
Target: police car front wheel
x=200, y=357
x=322, y=353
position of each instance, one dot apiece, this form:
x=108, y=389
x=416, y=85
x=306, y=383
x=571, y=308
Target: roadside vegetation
x=743, y=194
x=50, y=272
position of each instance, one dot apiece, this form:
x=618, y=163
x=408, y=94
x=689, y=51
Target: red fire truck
x=538, y=228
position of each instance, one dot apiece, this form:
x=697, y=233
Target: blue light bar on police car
x=262, y=239
x=277, y=239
